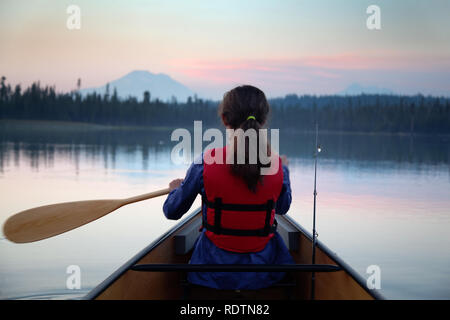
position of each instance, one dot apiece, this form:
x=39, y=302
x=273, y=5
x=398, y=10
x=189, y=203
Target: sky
x=289, y=46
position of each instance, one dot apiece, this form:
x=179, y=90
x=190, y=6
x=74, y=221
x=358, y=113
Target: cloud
x=322, y=74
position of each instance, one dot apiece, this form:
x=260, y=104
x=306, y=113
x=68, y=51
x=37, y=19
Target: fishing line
x=317, y=150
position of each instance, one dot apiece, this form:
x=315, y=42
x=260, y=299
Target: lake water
x=382, y=200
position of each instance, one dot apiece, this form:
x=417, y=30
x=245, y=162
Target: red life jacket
x=237, y=219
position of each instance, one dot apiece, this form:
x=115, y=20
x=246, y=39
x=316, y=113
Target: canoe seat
x=185, y=239
x=282, y=288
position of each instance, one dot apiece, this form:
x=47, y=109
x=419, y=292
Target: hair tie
x=251, y=117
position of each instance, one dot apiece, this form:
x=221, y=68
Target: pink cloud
x=319, y=74
x=319, y=65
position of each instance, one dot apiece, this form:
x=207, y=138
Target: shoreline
x=43, y=125
x=51, y=125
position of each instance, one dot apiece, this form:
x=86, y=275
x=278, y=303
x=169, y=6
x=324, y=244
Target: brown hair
x=237, y=106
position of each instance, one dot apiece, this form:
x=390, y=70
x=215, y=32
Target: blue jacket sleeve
x=180, y=199
x=285, y=198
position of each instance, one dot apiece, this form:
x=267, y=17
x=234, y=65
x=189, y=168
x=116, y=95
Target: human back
x=247, y=218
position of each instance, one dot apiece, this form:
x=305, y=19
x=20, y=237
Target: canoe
x=159, y=271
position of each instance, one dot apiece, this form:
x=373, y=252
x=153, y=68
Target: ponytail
x=246, y=108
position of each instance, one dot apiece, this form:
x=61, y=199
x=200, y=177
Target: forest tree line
x=361, y=113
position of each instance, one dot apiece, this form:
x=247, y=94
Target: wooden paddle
x=48, y=221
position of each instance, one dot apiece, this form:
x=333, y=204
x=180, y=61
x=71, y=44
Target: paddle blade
x=48, y=221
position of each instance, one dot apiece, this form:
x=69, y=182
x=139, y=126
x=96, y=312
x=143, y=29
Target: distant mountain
x=356, y=89
x=136, y=82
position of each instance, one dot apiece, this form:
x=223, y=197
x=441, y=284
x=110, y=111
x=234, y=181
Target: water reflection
x=363, y=150
x=94, y=146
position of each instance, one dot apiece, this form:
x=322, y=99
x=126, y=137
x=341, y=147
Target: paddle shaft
x=146, y=196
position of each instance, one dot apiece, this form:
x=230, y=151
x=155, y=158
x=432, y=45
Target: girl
x=238, y=203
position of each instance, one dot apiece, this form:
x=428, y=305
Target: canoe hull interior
x=127, y=284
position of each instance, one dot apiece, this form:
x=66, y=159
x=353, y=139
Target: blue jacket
x=179, y=202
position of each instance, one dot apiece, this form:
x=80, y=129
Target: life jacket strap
x=239, y=207
x=218, y=206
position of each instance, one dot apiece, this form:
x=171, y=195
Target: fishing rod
x=314, y=236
